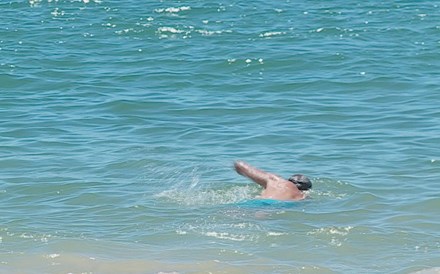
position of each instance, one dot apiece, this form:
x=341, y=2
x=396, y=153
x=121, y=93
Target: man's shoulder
x=277, y=181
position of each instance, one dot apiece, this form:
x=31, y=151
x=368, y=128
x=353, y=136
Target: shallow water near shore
x=120, y=122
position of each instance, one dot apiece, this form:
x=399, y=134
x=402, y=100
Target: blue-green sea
x=120, y=122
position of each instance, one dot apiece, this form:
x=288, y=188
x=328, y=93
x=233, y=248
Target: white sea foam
x=169, y=29
x=272, y=33
x=332, y=230
x=270, y=233
x=334, y=235
x=173, y=9
x=57, y=12
x=226, y=236
x=34, y=3
x=211, y=32
x=53, y=256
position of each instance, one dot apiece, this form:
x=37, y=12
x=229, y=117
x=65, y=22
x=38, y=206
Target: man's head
x=301, y=181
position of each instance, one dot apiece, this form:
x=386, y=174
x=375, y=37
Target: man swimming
x=275, y=187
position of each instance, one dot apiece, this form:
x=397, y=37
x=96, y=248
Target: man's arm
x=258, y=176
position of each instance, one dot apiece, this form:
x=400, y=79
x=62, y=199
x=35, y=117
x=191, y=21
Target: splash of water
x=203, y=197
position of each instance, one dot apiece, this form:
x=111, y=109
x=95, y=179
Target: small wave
x=272, y=33
x=334, y=235
x=34, y=3
x=173, y=9
x=343, y=231
x=275, y=234
x=243, y=231
x=211, y=32
x=187, y=31
x=228, y=236
x=169, y=29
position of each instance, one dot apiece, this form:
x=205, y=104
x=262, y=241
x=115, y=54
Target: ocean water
x=120, y=122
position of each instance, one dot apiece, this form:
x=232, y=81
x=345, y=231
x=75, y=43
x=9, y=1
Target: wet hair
x=301, y=181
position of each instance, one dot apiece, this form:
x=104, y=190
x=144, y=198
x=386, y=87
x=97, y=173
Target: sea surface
x=120, y=122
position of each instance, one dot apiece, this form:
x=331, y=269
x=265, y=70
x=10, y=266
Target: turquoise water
x=120, y=121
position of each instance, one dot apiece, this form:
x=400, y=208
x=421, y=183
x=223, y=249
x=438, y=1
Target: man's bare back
x=275, y=187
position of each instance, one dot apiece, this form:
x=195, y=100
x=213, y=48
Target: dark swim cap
x=301, y=181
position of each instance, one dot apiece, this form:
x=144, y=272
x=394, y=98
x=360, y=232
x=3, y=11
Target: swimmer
x=275, y=187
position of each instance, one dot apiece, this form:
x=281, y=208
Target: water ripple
x=120, y=121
